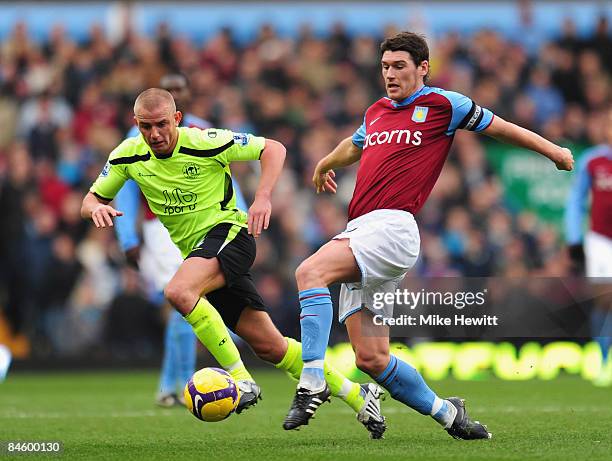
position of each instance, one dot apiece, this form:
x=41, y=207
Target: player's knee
x=180, y=298
x=371, y=362
x=308, y=275
x=301, y=272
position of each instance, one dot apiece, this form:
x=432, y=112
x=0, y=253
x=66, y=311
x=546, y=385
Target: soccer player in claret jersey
x=185, y=177
x=402, y=144
x=594, y=178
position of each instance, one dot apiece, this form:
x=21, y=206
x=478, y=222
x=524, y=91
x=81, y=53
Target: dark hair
x=410, y=42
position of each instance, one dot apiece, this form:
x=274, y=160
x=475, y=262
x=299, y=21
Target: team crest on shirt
x=191, y=170
x=420, y=114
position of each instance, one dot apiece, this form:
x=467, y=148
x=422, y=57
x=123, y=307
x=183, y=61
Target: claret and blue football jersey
x=405, y=145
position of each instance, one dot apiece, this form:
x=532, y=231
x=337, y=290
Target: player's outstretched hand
x=259, y=215
x=103, y=215
x=324, y=182
x=565, y=160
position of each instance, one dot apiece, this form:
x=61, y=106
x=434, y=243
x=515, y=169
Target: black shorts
x=235, y=259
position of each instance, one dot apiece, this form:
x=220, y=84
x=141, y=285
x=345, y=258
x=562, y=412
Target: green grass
x=112, y=416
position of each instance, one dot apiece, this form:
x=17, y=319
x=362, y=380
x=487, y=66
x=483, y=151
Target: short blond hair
x=151, y=100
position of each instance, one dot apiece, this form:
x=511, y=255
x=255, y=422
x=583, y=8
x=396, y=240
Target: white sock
x=443, y=412
x=347, y=386
x=312, y=377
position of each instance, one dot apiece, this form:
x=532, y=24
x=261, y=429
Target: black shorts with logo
x=235, y=258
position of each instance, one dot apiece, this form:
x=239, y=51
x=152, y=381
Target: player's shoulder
x=210, y=138
x=440, y=95
x=427, y=96
x=129, y=147
x=601, y=152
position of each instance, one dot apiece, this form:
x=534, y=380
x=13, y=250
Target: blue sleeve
x=575, y=208
x=191, y=120
x=127, y=200
x=240, y=201
x=467, y=115
x=133, y=132
x=359, y=135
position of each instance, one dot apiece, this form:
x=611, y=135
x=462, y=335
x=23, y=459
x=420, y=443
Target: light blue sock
x=185, y=346
x=315, y=321
x=601, y=326
x=406, y=385
x=167, y=381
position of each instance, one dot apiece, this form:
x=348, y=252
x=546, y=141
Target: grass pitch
x=112, y=416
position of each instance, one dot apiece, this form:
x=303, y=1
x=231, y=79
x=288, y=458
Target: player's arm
x=346, y=153
x=510, y=133
x=98, y=210
x=271, y=154
x=96, y=203
x=272, y=159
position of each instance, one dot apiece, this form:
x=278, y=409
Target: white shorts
x=386, y=245
x=598, y=255
x=159, y=257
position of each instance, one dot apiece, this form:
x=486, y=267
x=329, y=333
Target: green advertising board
x=531, y=181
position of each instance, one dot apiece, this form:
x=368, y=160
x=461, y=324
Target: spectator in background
x=129, y=325
x=63, y=272
x=17, y=184
x=547, y=99
x=601, y=42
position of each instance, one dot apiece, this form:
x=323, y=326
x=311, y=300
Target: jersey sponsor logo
x=177, y=201
x=420, y=114
x=241, y=138
x=191, y=170
x=105, y=170
x=393, y=137
x=374, y=121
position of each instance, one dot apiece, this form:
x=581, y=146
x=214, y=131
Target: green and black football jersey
x=190, y=190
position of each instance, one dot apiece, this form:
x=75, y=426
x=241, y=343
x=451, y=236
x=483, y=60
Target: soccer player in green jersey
x=184, y=174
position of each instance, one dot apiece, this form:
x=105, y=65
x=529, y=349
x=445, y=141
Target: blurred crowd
x=64, y=105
